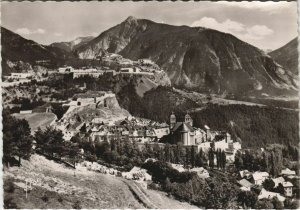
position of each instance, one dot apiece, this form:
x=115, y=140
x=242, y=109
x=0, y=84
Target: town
x=124, y=105
x=102, y=137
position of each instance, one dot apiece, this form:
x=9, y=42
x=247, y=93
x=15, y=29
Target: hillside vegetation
x=256, y=126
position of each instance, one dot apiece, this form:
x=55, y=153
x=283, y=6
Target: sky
x=267, y=25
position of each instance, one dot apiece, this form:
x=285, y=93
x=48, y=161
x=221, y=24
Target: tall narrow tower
x=172, y=120
x=188, y=119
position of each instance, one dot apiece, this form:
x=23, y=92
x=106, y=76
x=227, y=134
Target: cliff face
x=287, y=56
x=196, y=58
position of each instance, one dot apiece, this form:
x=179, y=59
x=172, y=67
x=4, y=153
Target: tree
x=266, y=163
x=277, y=204
x=50, y=141
x=289, y=204
x=211, y=158
x=238, y=160
x=218, y=155
x=167, y=152
x=264, y=204
x=280, y=188
x=193, y=156
x=268, y=184
x=223, y=160
x=199, y=159
x=101, y=148
x=247, y=199
x=17, y=140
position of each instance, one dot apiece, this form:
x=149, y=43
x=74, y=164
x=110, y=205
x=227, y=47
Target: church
x=182, y=132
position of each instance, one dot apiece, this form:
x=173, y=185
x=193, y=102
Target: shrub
x=10, y=187
x=77, y=205
x=9, y=204
x=60, y=199
x=45, y=198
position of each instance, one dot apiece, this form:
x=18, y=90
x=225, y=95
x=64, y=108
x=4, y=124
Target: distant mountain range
x=72, y=45
x=20, y=54
x=193, y=57
x=287, y=56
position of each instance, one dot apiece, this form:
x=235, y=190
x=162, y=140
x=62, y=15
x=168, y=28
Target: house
x=269, y=195
x=201, y=172
x=66, y=69
x=178, y=167
x=245, y=185
x=160, y=132
x=25, y=111
x=288, y=188
x=145, y=61
x=129, y=70
x=258, y=177
x=278, y=180
x=287, y=172
x=245, y=174
x=20, y=75
x=150, y=159
x=137, y=173
x=200, y=136
x=87, y=72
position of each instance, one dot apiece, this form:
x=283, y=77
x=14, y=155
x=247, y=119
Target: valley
x=147, y=114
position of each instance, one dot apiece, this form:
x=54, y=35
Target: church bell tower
x=188, y=119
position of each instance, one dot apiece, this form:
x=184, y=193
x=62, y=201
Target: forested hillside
x=255, y=126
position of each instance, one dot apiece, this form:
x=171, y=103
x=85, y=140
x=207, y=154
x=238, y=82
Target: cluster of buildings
x=21, y=75
x=254, y=181
x=188, y=135
x=114, y=64
x=137, y=174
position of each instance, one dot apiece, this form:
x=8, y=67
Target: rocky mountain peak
x=130, y=19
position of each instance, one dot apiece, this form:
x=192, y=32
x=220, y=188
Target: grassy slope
x=92, y=190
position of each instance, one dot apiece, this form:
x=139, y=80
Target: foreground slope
x=55, y=186
x=195, y=57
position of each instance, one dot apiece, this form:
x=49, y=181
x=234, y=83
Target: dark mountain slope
x=287, y=56
x=197, y=58
x=18, y=52
x=72, y=45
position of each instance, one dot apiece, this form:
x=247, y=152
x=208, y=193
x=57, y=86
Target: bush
x=9, y=204
x=77, y=205
x=10, y=187
x=60, y=199
x=45, y=198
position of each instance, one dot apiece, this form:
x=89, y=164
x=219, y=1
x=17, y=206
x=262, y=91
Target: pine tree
x=193, y=156
x=211, y=156
x=223, y=157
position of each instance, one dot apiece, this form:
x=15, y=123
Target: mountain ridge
x=74, y=44
x=287, y=55
x=195, y=57
x=19, y=53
